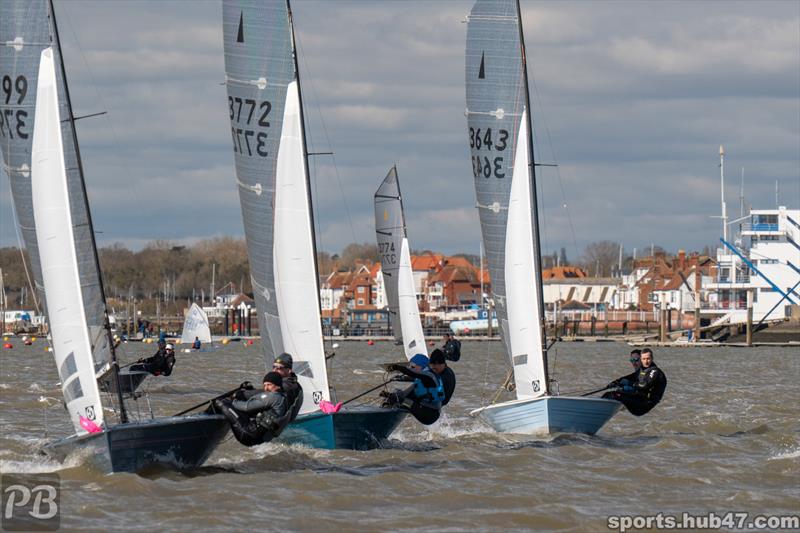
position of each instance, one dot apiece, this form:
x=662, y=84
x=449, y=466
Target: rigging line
x=327, y=138
x=129, y=181
x=532, y=78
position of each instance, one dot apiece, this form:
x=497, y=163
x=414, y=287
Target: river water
x=726, y=437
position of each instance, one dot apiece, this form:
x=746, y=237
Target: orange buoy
x=370, y=342
x=250, y=342
x=8, y=346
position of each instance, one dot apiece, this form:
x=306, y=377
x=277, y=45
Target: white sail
x=413, y=338
x=195, y=326
x=525, y=335
x=72, y=347
x=296, y=287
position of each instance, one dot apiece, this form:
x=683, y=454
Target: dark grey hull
x=129, y=381
x=175, y=442
x=360, y=428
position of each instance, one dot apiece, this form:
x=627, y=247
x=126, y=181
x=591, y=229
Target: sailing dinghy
x=267, y=129
x=501, y=149
x=70, y=276
x=195, y=326
x=398, y=276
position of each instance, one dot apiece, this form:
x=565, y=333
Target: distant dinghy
x=499, y=127
x=268, y=134
x=395, y=257
x=70, y=274
x=195, y=326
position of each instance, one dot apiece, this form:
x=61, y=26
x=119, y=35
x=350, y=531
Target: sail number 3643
x=484, y=165
x=248, y=112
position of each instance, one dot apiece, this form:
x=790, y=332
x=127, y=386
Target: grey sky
x=635, y=96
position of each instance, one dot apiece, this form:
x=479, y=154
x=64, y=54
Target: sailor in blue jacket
x=424, y=397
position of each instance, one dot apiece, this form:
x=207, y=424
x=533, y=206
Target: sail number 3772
x=245, y=114
x=489, y=165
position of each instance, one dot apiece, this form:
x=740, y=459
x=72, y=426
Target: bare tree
x=600, y=258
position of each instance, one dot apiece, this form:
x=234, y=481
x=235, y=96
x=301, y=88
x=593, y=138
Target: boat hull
x=361, y=428
x=175, y=442
x=549, y=415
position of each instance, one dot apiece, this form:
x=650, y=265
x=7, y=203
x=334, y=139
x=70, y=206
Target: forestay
x=72, y=346
x=267, y=134
x=195, y=326
x=25, y=31
x=502, y=170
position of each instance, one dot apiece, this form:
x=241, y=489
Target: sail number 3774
x=488, y=165
x=249, y=113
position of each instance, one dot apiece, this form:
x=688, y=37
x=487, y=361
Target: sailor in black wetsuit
x=423, y=399
x=160, y=364
x=451, y=348
x=646, y=391
x=438, y=364
x=291, y=388
x=635, y=359
x=256, y=416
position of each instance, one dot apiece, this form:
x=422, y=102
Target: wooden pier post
x=749, y=331
x=663, y=323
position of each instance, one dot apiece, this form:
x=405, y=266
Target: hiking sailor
x=256, y=416
x=641, y=395
x=291, y=388
x=423, y=399
x=451, y=348
x=438, y=364
x=159, y=364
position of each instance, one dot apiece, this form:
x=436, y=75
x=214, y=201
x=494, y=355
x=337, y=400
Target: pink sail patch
x=329, y=408
x=89, y=425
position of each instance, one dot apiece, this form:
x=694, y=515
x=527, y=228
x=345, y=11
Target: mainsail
x=195, y=325
x=269, y=150
x=398, y=276
x=502, y=165
x=72, y=346
x=26, y=29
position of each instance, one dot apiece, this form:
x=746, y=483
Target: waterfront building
x=763, y=262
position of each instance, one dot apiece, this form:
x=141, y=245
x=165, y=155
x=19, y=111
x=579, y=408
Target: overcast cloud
x=632, y=100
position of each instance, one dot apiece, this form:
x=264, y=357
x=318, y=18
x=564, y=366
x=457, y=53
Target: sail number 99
x=486, y=166
x=12, y=123
x=248, y=141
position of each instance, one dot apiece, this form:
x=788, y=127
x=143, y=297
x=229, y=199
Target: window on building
x=361, y=290
x=360, y=301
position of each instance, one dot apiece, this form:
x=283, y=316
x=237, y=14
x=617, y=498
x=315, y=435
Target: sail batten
x=497, y=118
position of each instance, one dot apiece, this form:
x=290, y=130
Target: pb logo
x=90, y=412
x=31, y=502
x=317, y=396
x=536, y=386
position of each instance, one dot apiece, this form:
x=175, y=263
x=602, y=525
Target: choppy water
x=725, y=438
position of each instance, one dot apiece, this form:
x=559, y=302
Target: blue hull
x=361, y=428
x=550, y=414
x=176, y=442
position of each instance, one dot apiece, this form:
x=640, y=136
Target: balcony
x=759, y=228
x=740, y=278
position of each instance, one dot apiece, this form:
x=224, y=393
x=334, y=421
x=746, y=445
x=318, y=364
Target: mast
x=305, y=156
x=722, y=192
x=123, y=414
x=537, y=248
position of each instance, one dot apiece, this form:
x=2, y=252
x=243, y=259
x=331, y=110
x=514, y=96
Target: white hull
x=549, y=414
